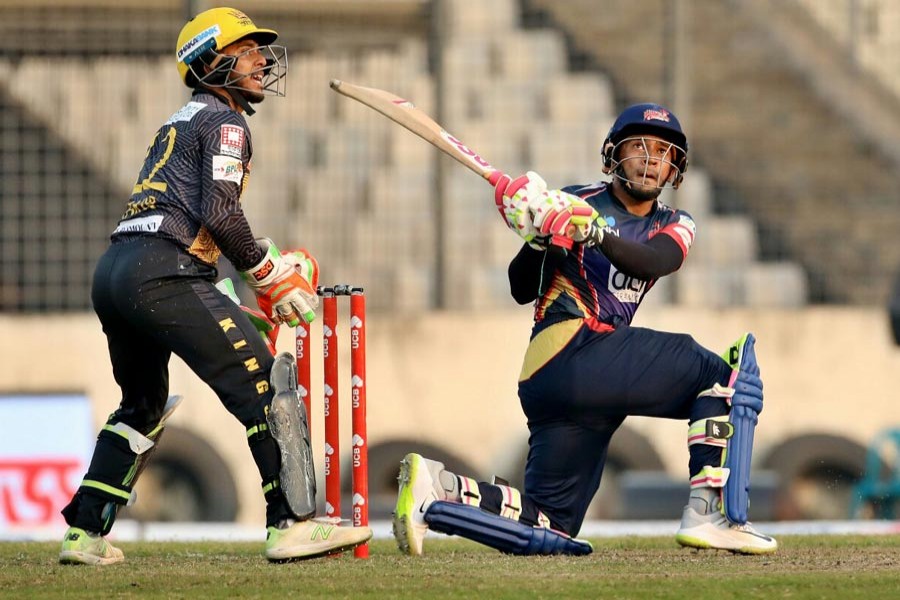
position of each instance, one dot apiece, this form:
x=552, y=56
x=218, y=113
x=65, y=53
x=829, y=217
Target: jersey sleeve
x=225, y=148
x=682, y=229
x=663, y=253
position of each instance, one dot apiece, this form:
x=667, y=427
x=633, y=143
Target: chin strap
x=240, y=100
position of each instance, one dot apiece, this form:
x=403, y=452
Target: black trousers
x=154, y=299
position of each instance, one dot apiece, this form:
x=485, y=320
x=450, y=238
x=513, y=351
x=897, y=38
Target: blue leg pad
x=746, y=404
x=500, y=533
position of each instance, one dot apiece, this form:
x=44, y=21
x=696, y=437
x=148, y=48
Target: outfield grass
x=806, y=567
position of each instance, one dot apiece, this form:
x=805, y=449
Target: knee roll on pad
x=505, y=535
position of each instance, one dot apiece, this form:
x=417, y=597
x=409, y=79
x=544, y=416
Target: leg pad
x=505, y=535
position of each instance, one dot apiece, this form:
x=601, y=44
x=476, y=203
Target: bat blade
x=405, y=113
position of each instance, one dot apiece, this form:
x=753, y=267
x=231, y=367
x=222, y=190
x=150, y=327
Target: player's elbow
x=522, y=296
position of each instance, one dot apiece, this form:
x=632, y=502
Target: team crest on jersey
x=232, y=140
x=653, y=114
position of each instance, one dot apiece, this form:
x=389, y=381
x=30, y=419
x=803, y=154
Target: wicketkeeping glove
x=282, y=289
x=512, y=198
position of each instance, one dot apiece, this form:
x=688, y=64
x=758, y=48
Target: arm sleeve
x=225, y=144
x=531, y=272
x=659, y=256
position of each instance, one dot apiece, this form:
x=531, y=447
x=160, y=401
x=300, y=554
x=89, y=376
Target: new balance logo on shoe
x=322, y=532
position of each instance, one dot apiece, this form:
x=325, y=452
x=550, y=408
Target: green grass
x=843, y=567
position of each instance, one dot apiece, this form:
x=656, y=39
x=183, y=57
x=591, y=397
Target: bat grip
x=560, y=244
x=494, y=176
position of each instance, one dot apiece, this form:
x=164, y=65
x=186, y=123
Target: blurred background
x=792, y=110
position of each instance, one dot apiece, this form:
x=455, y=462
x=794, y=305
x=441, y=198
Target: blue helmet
x=651, y=119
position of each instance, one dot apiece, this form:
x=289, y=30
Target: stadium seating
x=358, y=191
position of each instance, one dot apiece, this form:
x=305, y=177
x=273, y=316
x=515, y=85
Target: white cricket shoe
x=80, y=547
x=419, y=486
x=311, y=539
x=702, y=529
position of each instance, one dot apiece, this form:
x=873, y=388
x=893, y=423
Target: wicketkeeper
x=155, y=294
x=587, y=368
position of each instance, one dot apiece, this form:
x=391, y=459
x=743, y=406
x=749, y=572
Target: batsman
x=587, y=369
x=154, y=292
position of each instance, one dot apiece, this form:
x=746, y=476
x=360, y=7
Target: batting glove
x=560, y=214
x=512, y=198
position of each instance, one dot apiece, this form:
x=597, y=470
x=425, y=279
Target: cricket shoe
x=712, y=530
x=82, y=548
x=300, y=540
x=419, y=487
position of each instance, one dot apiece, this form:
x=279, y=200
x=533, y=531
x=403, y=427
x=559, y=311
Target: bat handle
x=494, y=176
x=561, y=242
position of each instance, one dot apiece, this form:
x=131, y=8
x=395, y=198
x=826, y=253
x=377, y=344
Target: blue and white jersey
x=587, y=285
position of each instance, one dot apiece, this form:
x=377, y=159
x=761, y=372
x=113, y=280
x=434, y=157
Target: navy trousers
x=577, y=400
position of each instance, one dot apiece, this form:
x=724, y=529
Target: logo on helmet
x=195, y=46
x=653, y=114
x=242, y=19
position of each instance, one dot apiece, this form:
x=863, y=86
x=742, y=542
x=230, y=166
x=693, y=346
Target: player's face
x=249, y=70
x=645, y=162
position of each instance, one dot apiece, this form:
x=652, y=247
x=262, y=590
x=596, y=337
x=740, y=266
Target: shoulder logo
x=687, y=222
x=227, y=168
x=231, y=140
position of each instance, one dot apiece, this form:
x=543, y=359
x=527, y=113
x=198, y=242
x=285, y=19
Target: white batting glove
x=512, y=198
x=558, y=214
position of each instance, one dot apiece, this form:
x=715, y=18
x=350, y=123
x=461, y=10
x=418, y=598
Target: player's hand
x=268, y=330
x=512, y=197
x=557, y=214
x=283, y=293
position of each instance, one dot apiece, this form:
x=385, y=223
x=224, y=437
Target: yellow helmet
x=214, y=29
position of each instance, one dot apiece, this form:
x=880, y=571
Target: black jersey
x=189, y=189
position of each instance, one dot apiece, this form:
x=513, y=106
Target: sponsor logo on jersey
x=141, y=225
x=624, y=287
x=652, y=114
x=195, y=46
x=227, y=168
x=186, y=112
x=232, y=140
